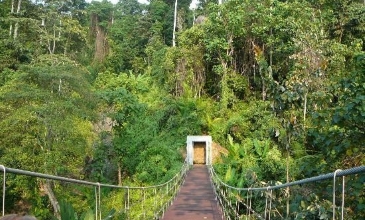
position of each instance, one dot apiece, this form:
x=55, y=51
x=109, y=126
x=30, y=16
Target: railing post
x=128, y=202
x=237, y=210
x=98, y=203
x=250, y=204
x=125, y=201
x=4, y=188
x=270, y=204
x=167, y=190
x=155, y=203
x=343, y=197
x=265, y=214
x=143, y=203
x=247, y=210
x=334, y=195
x=165, y=195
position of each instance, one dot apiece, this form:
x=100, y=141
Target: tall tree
x=102, y=17
x=46, y=115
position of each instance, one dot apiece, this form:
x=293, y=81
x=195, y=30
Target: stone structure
x=202, y=150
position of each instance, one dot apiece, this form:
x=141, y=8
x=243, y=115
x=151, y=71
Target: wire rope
x=351, y=171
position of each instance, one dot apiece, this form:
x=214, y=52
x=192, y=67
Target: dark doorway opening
x=200, y=152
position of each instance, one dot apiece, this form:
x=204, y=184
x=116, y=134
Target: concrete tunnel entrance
x=199, y=150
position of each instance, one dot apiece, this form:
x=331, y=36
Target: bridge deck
x=196, y=199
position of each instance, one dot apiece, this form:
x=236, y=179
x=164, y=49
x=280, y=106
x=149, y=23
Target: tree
x=46, y=119
x=128, y=38
x=101, y=16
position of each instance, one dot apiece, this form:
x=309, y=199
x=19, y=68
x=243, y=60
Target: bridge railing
x=258, y=202
x=149, y=202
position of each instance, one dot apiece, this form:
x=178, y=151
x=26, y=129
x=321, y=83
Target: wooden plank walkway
x=196, y=199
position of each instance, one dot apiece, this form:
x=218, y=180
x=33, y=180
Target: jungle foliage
x=96, y=91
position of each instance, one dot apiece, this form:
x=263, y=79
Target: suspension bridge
x=197, y=192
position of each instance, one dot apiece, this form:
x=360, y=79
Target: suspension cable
x=177, y=180
x=337, y=173
x=351, y=171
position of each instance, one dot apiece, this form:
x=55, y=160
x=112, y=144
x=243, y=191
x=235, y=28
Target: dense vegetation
x=97, y=91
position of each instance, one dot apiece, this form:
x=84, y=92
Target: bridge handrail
x=223, y=193
x=83, y=182
x=177, y=180
x=339, y=173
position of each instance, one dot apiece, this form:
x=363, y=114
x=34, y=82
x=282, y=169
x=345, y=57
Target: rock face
x=200, y=20
x=200, y=153
x=200, y=149
x=217, y=152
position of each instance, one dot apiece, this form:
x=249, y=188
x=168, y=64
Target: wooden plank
x=196, y=198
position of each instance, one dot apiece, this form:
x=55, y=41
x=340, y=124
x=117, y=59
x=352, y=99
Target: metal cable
x=64, y=179
x=177, y=180
x=351, y=171
x=337, y=173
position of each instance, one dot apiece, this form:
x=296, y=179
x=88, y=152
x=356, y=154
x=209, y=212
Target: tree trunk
x=287, y=177
x=101, y=45
x=263, y=85
x=119, y=175
x=305, y=107
x=12, y=12
x=224, y=85
x=52, y=198
x=54, y=39
x=174, y=30
x=52, y=45
x=17, y=23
